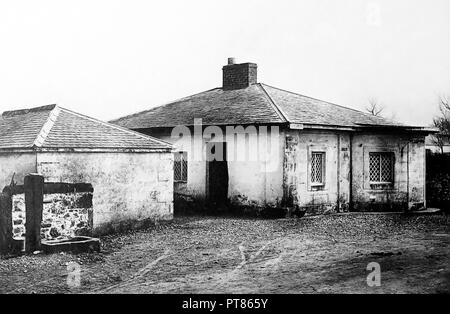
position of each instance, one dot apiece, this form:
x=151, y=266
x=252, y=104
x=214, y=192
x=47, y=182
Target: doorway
x=217, y=175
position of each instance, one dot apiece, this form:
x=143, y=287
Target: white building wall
x=17, y=165
x=128, y=187
x=346, y=171
x=257, y=182
x=252, y=181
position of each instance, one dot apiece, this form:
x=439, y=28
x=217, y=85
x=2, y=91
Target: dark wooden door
x=217, y=175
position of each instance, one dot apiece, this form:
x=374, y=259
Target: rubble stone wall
x=63, y=216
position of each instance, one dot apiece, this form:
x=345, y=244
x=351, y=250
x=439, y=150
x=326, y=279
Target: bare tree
x=442, y=123
x=374, y=107
x=438, y=140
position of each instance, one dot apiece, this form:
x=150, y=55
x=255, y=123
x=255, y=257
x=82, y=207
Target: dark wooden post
x=6, y=238
x=34, y=198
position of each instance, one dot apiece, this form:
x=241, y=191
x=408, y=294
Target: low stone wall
x=63, y=216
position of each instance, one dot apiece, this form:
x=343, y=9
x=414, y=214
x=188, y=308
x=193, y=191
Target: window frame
x=183, y=161
x=365, y=171
x=323, y=166
x=392, y=166
x=317, y=187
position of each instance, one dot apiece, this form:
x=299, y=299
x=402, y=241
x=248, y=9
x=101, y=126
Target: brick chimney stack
x=237, y=76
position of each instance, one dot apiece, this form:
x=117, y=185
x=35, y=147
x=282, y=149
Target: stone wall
x=18, y=215
x=63, y=216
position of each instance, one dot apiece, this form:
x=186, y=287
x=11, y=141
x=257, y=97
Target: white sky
x=111, y=58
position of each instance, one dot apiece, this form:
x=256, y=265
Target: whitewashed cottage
x=311, y=155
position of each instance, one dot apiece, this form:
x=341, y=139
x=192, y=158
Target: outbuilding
x=131, y=173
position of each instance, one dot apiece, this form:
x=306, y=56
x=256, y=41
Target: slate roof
x=216, y=106
x=257, y=104
x=307, y=110
x=54, y=127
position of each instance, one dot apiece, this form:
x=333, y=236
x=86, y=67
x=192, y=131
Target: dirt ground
x=323, y=254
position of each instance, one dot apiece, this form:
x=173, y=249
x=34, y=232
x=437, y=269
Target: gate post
x=6, y=238
x=34, y=198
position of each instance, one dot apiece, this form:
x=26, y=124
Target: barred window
x=317, y=168
x=180, y=166
x=381, y=167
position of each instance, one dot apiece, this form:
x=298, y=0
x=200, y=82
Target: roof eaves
x=399, y=127
x=28, y=149
x=103, y=150
x=328, y=127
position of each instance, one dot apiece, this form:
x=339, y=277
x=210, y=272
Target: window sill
x=381, y=186
x=317, y=187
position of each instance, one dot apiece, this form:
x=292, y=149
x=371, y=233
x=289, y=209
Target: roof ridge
x=13, y=113
x=47, y=127
x=162, y=105
x=114, y=126
x=277, y=108
x=359, y=111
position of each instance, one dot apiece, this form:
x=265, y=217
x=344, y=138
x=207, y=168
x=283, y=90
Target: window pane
x=177, y=167
x=381, y=167
x=317, y=167
x=184, y=166
x=374, y=167
x=385, y=168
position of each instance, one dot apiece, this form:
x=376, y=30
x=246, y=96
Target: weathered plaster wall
x=195, y=187
x=128, y=187
x=252, y=182
x=344, y=164
x=298, y=190
x=409, y=176
x=409, y=172
x=256, y=182
x=17, y=164
x=344, y=158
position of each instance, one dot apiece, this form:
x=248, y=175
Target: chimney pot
x=231, y=61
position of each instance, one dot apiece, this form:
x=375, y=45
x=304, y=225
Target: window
x=180, y=166
x=381, y=167
x=317, y=168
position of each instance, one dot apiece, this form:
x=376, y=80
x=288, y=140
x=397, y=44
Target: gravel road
x=322, y=254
